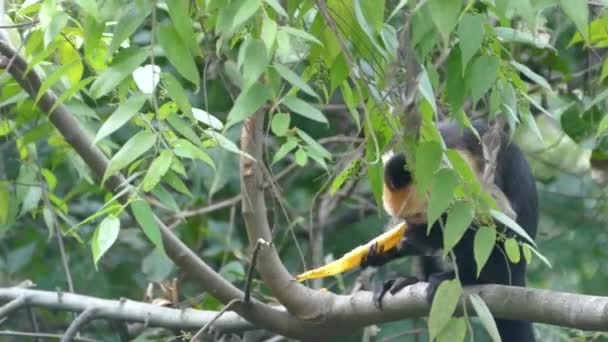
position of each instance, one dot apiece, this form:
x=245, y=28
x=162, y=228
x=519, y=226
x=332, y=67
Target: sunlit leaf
x=104, y=237
x=207, y=119
x=512, y=249
x=280, y=124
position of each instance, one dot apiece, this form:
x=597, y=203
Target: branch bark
x=126, y=310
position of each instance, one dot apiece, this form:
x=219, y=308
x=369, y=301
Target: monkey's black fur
x=514, y=177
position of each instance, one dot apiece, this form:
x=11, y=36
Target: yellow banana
x=352, y=259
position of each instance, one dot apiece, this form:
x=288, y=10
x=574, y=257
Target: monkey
x=513, y=177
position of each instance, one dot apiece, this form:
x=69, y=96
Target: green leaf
x=121, y=116
x=54, y=78
x=485, y=238
x=126, y=26
x=178, y=54
x=482, y=73
x=294, y=79
x=249, y=101
x=301, y=157
x=603, y=126
x=426, y=89
x=444, y=14
x=176, y=92
x=146, y=219
x=300, y=34
x=507, y=221
x=351, y=171
x=122, y=66
x=536, y=78
x=313, y=144
x=443, y=306
x=269, y=33
x=159, y=167
x=485, y=316
x=460, y=218
x=284, y=149
x=207, y=119
x=276, y=6
x=512, y=249
x=185, y=149
x=578, y=12
x=227, y=144
x=130, y=151
x=471, y=32
x=104, y=237
x=68, y=94
x=527, y=253
x=304, y=108
x=444, y=184
x=454, y=331
x=280, y=124
x=176, y=183
x=246, y=10
x=257, y=61
x=428, y=159
x=178, y=11
x=456, y=89
x=183, y=128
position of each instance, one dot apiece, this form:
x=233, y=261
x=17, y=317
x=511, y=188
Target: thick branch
x=298, y=299
x=126, y=310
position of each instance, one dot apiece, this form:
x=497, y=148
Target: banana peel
x=352, y=259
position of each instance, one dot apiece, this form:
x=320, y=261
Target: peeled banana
x=352, y=259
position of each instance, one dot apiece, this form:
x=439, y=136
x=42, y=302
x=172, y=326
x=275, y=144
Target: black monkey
x=512, y=176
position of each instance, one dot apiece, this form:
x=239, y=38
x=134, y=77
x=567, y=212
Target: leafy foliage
x=163, y=88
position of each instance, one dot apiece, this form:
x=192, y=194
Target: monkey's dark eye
x=395, y=174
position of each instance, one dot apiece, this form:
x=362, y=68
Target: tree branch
x=126, y=310
x=256, y=312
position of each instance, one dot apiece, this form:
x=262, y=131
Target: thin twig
x=219, y=314
x=258, y=245
x=77, y=324
x=13, y=305
x=19, y=25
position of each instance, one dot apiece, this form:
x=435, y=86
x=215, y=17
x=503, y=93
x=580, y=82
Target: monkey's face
x=399, y=195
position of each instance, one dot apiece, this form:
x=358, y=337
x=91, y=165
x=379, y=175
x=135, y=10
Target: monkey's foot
x=392, y=286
